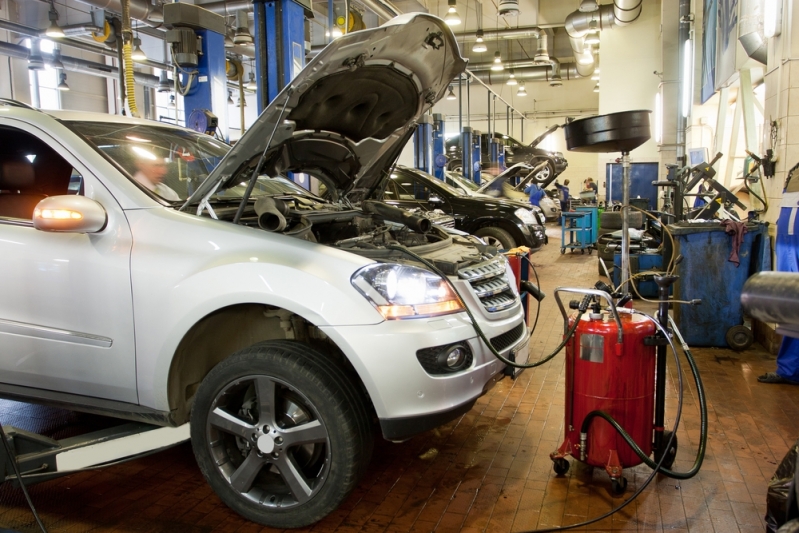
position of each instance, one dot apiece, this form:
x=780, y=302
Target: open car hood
x=543, y=135
x=347, y=114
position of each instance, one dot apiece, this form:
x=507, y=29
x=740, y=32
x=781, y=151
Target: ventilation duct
x=750, y=30
x=508, y=8
x=141, y=10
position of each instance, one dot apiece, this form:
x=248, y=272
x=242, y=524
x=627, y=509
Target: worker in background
x=589, y=185
x=536, y=193
x=786, y=248
x=563, y=194
x=151, y=171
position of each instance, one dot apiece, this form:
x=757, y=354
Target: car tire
x=546, y=175
x=497, y=237
x=245, y=436
x=612, y=220
x=455, y=165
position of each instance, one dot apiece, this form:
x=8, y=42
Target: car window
x=408, y=188
x=30, y=170
x=170, y=162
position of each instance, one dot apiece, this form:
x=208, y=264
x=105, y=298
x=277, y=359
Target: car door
x=66, y=311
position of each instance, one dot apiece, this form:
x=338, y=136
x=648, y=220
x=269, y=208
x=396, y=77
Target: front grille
x=500, y=342
x=490, y=284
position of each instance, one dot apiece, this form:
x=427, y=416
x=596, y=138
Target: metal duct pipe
x=750, y=31
x=503, y=33
x=141, y=10
x=230, y=7
x=75, y=64
x=578, y=23
x=568, y=71
x=74, y=43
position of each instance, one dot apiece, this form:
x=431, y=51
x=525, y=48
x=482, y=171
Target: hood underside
x=345, y=117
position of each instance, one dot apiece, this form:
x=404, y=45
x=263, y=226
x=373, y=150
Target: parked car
x=470, y=188
x=501, y=222
x=281, y=326
x=512, y=183
x=515, y=152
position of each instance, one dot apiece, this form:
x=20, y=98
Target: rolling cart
x=578, y=228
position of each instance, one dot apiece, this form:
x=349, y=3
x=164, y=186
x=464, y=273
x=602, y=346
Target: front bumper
x=535, y=236
x=407, y=399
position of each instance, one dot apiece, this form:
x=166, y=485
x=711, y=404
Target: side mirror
x=69, y=213
x=435, y=200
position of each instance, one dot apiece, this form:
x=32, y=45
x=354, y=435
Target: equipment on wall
x=203, y=121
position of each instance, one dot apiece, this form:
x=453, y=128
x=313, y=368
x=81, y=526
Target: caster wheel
x=619, y=485
x=582, y=251
x=590, y=251
x=562, y=251
x=560, y=466
x=671, y=452
x=739, y=338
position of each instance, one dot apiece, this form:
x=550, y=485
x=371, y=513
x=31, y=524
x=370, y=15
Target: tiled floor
x=488, y=471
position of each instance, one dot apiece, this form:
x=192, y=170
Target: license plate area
x=520, y=354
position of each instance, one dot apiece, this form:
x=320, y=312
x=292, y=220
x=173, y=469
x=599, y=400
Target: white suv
x=152, y=275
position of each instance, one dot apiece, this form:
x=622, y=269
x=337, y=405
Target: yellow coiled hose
x=130, y=82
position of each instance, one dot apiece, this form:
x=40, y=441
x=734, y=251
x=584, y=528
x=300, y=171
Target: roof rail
x=15, y=103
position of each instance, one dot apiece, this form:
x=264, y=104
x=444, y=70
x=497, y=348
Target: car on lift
x=515, y=152
x=511, y=184
x=153, y=274
x=500, y=222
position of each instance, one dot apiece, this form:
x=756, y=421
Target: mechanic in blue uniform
x=787, y=252
x=536, y=193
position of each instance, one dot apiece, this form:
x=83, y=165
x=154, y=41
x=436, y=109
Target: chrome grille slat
x=490, y=284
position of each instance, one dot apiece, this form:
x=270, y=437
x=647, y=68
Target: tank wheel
x=618, y=485
x=560, y=466
x=562, y=251
x=671, y=452
x=739, y=338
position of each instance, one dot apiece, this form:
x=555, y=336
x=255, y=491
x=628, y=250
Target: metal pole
x=683, y=36
x=460, y=117
x=468, y=101
x=331, y=16
x=488, y=111
x=625, y=225
x=522, y=121
x=507, y=121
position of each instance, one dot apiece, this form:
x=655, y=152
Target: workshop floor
x=488, y=471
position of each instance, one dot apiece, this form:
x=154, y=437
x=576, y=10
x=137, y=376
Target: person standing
x=589, y=185
x=786, y=249
x=563, y=195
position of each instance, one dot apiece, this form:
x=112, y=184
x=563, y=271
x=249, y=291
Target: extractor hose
x=127, y=52
x=700, y=390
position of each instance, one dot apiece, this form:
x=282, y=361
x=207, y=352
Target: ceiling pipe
x=382, y=8
x=528, y=32
x=73, y=43
x=76, y=64
x=229, y=7
x=566, y=71
x=141, y=10
x=750, y=31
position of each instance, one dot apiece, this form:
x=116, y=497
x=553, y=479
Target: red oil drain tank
x=617, y=379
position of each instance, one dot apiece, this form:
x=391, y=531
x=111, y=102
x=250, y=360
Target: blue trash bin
x=707, y=274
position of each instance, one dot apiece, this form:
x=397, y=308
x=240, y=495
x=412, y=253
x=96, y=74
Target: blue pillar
x=493, y=152
x=439, y=146
x=501, y=155
x=477, y=157
x=209, y=89
x=423, y=144
x=279, y=46
x=468, y=153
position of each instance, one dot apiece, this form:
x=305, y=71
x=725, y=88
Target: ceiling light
x=164, y=85
x=452, y=18
x=251, y=84
x=497, y=62
x=511, y=78
x=242, y=102
x=242, y=34
x=138, y=54
x=336, y=33
x=451, y=94
x=522, y=91
x=479, y=46
x=62, y=82
x=53, y=30
x=172, y=103
x=596, y=88
x=230, y=97
x=35, y=61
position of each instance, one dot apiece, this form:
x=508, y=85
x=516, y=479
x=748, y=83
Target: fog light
x=448, y=359
x=455, y=357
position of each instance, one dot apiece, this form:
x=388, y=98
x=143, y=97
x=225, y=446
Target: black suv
x=498, y=221
x=515, y=152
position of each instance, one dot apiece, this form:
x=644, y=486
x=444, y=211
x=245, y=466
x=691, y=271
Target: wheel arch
x=501, y=223
x=243, y=324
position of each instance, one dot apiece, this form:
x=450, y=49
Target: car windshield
x=171, y=162
x=461, y=182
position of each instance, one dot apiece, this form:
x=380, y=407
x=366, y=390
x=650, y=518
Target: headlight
x=525, y=215
x=399, y=291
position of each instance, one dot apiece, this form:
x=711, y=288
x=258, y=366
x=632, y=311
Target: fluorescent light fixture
x=771, y=17
x=452, y=18
x=687, y=81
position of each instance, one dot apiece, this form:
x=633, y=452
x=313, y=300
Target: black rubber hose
x=700, y=454
x=476, y=327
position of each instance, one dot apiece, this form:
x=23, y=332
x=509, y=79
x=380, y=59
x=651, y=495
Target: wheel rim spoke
x=243, y=477
x=265, y=392
x=294, y=478
x=312, y=432
x=228, y=423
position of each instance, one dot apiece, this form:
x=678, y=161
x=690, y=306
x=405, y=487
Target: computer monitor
x=697, y=156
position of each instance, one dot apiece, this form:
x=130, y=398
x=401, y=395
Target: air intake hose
x=394, y=214
x=271, y=213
